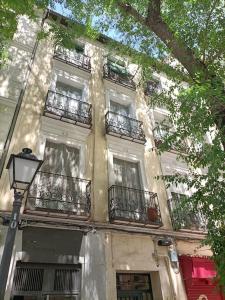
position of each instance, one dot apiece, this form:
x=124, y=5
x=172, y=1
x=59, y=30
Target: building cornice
x=53, y=127
x=84, y=225
x=57, y=64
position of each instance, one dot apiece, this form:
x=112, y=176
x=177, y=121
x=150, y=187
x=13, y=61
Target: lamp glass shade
x=22, y=171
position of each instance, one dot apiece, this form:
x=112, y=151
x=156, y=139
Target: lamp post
x=22, y=170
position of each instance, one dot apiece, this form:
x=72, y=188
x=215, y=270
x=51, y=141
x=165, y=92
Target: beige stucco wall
x=193, y=248
x=27, y=128
x=123, y=252
x=134, y=253
x=27, y=131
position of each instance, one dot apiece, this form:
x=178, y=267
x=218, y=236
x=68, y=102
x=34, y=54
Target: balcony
x=162, y=132
x=118, y=75
x=133, y=206
x=59, y=194
x=124, y=127
x=184, y=218
x=73, y=58
x=68, y=109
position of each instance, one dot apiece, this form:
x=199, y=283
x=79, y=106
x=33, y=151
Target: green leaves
x=195, y=100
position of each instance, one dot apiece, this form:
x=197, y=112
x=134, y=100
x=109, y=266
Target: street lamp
x=22, y=170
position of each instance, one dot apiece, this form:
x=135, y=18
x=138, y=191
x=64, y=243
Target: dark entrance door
x=133, y=286
x=131, y=296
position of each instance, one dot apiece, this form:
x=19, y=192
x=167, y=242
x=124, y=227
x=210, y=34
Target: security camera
x=165, y=242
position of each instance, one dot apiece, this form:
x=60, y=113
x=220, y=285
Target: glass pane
x=61, y=159
x=134, y=286
x=25, y=169
x=68, y=90
x=119, y=108
x=126, y=173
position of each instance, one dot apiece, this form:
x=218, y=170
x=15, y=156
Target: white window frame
x=169, y=160
x=122, y=99
x=130, y=155
x=73, y=80
x=81, y=146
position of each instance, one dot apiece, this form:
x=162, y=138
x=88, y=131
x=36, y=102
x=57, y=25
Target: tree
x=191, y=33
x=185, y=40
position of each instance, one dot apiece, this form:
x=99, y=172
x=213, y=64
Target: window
x=116, y=71
x=119, y=122
x=56, y=187
x=121, y=117
x=183, y=215
x=61, y=190
x=63, y=282
x=118, y=67
x=67, y=99
x=68, y=90
x=120, y=108
x=128, y=193
x=74, y=57
x=61, y=159
x=160, y=131
x=126, y=173
x=75, y=54
x=133, y=286
x=65, y=103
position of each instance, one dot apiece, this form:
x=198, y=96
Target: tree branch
x=154, y=9
x=127, y=8
x=206, y=27
x=156, y=24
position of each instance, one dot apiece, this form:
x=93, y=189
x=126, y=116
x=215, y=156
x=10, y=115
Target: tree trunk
x=197, y=70
x=180, y=51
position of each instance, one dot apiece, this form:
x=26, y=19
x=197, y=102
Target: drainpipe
x=19, y=102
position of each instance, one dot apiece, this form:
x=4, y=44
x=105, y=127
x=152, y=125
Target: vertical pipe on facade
x=20, y=100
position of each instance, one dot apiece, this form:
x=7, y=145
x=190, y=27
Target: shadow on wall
x=94, y=272
x=100, y=183
x=43, y=245
x=34, y=98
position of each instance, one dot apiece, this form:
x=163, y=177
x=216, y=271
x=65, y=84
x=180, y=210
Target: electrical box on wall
x=173, y=255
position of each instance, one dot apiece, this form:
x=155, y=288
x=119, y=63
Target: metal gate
x=46, y=282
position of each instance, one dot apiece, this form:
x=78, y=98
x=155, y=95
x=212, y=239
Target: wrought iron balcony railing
x=124, y=79
x=73, y=58
x=133, y=205
x=55, y=193
x=124, y=127
x=68, y=109
x=185, y=218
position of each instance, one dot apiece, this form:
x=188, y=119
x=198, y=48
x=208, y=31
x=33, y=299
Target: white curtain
x=66, y=99
x=59, y=189
x=70, y=55
x=129, y=194
x=120, y=117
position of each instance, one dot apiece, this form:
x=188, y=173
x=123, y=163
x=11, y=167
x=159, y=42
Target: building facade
x=94, y=220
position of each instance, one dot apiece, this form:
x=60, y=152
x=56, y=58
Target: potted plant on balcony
x=152, y=213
